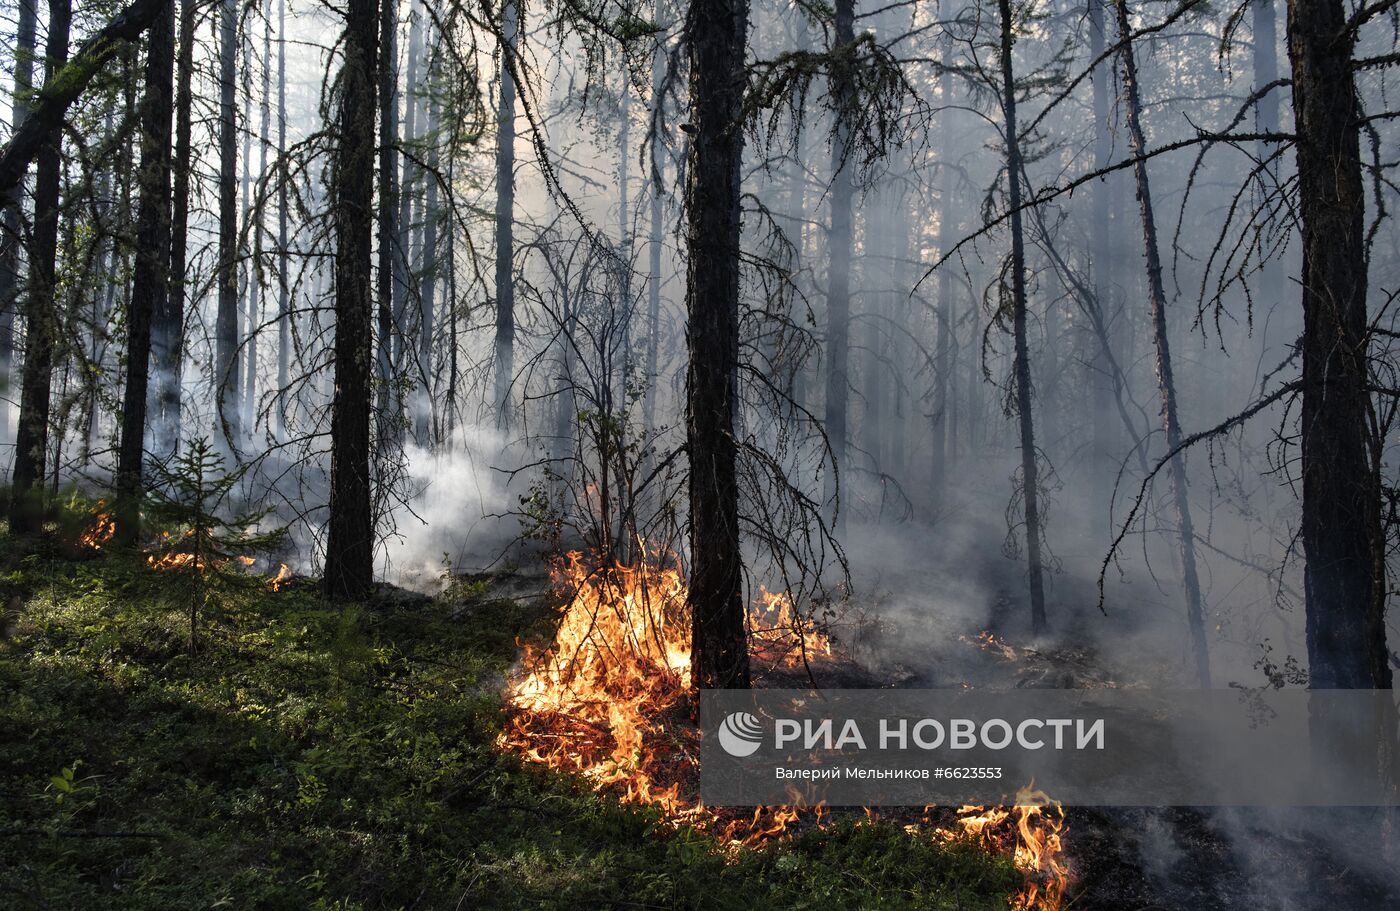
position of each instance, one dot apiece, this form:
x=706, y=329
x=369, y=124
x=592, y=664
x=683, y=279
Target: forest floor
x=310, y=757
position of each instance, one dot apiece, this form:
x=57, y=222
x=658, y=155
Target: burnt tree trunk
x=350, y=535
x=40, y=306
x=1166, y=386
x=718, y=34
x=150, y=284
x=1030, y=475
x=1344, y=576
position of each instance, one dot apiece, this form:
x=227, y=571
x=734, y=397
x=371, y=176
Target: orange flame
x=284, y=575
x=103, y=527
x=609, y=700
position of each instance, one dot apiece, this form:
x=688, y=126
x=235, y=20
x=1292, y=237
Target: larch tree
x=717, y=33
x=349, y=564
x=150, y=289
x=41, y=303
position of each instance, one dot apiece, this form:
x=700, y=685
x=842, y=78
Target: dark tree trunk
x=1030, y=474
x=505, y=217
x=284, y=317
x=168, y=320
x=12, y=216
x=944, y=365
x=1166, y=387
x=40, y=305
x=388, y=255
x=226, y=361
x=404, y=275
x=350, y=536
x=1344, y=577
x=838, y=295
x=150, y=285
x=718, y=34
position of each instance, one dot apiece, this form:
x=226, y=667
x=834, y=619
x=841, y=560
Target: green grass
x=314, y=758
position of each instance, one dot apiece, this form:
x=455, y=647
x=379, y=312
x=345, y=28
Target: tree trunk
x=40, y=306
x=12, y=216
x=505, y=217
x=168, y=320
x=404, y=276
x=388, y=255
x=350, y=536
x=658, y=75
x=150, y=284
x=1166, y=387
x=944, y=368
x=226, y=361
x=718, y=33
x=1030, y=476
x=838, y=295
x=1344, y=577
x=284, y=317
x=426, y=401
x=1103, y=462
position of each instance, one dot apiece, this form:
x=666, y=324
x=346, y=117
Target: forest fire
x=100, y=532
x=1033, y=831
x=609, y=700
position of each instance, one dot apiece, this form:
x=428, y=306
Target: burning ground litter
x=609, y=699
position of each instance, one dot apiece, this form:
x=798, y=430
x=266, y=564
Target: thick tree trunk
x=350, y=536
x=405, y=276
x=150, y=285
x=1030, y=475
x=838, y=295
x=12, y=216
x=40, y=305
x=505, y=217
x=168, y=318
x=1344, y=577
x=718, y=32
x=226, y=360
x=1166, y=388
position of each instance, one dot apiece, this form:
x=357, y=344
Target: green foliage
x=314, y=758
x=204, y=542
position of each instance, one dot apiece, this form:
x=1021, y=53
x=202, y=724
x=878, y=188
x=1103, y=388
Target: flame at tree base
x=610, y=700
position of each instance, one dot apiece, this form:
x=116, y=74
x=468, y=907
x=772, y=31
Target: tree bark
x=388, y=255
x=168, y=319
x=1166, y=387
x=505, y=217
x=150, y=285
x=226, y=360
x=350, y=536
x=284, y=316
x=838, y=295
x=426, y=316
x=1030, y=475
x=718, y=34
x=12, y=216
x=1344, y=577
x=1100, y=262
x=41, y=304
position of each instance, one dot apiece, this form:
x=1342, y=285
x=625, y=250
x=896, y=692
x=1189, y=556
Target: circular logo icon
x=740, y=734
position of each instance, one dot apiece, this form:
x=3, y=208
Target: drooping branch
x=53, y=100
